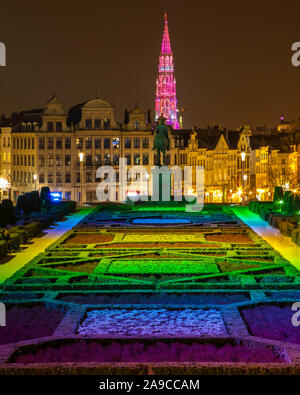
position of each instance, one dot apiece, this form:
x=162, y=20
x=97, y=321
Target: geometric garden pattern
x=150, y=258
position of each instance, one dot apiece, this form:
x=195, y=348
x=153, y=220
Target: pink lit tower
x=166, y=101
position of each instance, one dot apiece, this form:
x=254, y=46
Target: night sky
x=232, y=58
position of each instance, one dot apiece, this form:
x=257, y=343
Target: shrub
x=8, y=212
x=296, y=236
x=143, y=351
x=28, y=322
x=28, y=196
x=22, y=233
x=46, y=197
x=3, y=248
x=33, y=228
x=278, y=194
x=2, y=221
x=45, y=221
x=22, y=205
x=36, y=201
x=272, y=321
x=15, y=238
x=68, y=206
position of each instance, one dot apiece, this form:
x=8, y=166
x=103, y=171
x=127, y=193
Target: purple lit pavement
x=39, y=244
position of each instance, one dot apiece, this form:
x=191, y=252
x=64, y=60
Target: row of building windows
x=262, y=156
x=23, y=160
x=91, y=124
x=263, y=168
x=89, y=143
x=129, y=143
x=23, y=177
x=58, y=178
x=23, y=143
x=93, y=160
x=243, y=164
x=51, y=126
x=58, y=143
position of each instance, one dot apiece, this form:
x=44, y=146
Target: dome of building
x=96, y=104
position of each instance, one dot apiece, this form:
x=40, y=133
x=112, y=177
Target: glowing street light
x=35, y=178
x=81, y=156
x=3, y=185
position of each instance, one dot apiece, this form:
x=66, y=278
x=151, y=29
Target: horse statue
x=161, y=141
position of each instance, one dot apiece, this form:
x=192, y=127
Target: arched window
x=106, y=123
x=167, y=105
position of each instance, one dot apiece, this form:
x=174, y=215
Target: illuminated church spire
x=166, y=101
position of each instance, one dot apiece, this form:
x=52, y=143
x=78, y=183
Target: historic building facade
x=46, y=143
x=63, y=149
x=42, y=147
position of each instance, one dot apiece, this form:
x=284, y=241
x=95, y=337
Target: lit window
x=116, y=142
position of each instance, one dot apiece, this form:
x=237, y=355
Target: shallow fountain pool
x=160, y=221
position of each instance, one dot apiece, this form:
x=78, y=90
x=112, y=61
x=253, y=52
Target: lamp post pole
x=243, y=155
x=81, y=156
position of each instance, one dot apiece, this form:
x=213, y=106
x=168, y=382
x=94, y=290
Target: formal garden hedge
x=115, y=267
x=277, y=215
x=26, y=221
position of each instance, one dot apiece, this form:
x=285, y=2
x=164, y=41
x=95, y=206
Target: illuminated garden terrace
x=145, y=275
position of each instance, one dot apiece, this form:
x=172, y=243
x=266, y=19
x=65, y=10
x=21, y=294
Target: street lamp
x=81, y=156
x=244, y=177
x=35, y=178
x=3, y=185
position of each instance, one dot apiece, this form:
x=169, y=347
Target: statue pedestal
x=161, y=184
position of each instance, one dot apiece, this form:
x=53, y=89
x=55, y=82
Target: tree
x=14, y=117
x=2, y=221
x=278, y=194
x=36, y=201
x=8, y=212
x=45, y=196
x=22, y=206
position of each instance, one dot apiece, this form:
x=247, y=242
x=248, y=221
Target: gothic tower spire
x=166, y=101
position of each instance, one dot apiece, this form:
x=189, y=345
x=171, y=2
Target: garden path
x=283, y=244
x=40, y=244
